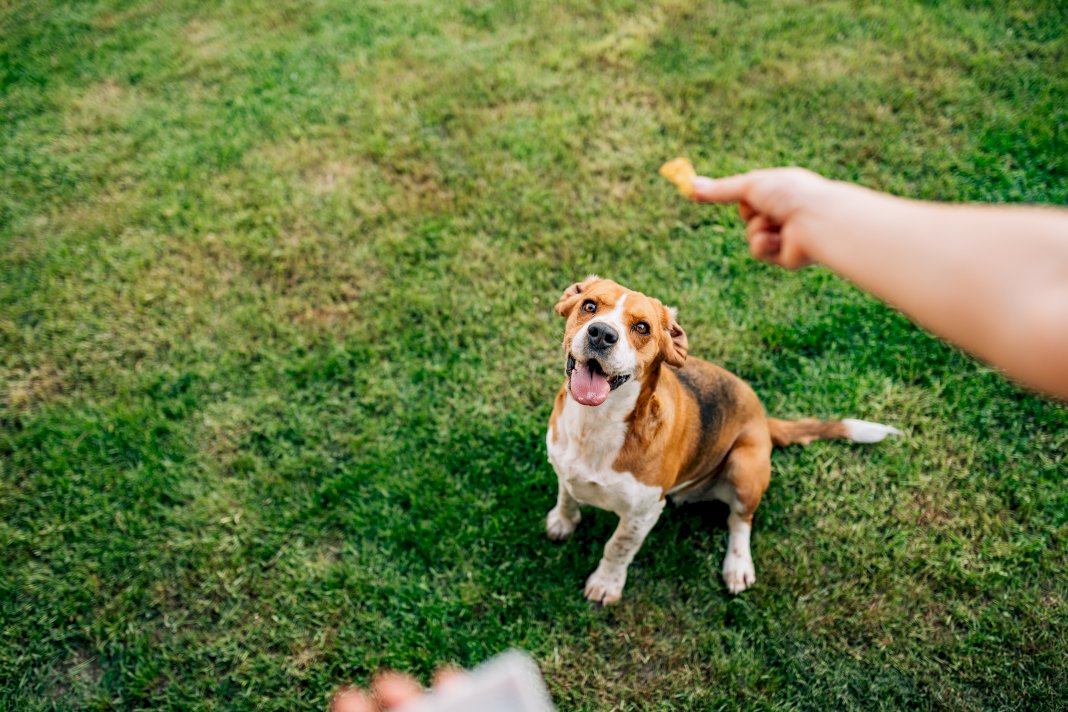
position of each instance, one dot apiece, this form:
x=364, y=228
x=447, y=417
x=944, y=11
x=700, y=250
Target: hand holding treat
x=764, y=205
x=780, y=206
x=680, y=172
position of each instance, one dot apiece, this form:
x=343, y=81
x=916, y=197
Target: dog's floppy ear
x=674, y=345
x=573, y=294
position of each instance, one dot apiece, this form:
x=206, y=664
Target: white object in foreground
x=509, y=682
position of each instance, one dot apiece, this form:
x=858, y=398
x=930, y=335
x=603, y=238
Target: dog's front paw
x=738, y=573
x=605, y=585
x=558, y=526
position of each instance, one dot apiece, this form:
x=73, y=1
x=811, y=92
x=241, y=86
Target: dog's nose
x=602, y=336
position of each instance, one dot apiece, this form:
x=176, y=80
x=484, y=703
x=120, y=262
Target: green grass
x=277, y=351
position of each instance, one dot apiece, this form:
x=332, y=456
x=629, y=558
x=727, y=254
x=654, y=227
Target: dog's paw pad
x=559, y=527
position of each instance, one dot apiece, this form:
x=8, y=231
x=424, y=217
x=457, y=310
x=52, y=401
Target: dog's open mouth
x=590, y=385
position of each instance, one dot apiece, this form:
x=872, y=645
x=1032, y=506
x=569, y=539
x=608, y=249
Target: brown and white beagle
x=637, y=421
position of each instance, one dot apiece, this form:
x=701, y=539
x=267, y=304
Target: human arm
x=993, y=280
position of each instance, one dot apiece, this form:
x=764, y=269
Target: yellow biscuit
x=680, y=172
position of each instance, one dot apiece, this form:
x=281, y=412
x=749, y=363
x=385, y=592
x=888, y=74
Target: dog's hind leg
x=747, y=475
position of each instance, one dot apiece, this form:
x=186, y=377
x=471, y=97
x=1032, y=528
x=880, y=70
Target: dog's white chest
x=583, y=448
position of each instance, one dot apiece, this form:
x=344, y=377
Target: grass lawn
x=277, y=351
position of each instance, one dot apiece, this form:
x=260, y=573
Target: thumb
x=731, y=189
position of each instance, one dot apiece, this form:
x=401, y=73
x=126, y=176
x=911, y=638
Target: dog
x=637, y=421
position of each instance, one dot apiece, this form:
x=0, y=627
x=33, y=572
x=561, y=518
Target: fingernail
x=701, y=184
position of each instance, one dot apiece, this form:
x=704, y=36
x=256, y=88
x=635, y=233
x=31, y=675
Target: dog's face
x=614, y=335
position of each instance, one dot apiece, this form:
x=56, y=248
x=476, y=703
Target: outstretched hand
x=782, y=208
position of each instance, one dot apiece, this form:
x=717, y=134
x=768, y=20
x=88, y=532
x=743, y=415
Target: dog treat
x=680, y=172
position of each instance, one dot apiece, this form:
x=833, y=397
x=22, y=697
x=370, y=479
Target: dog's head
x=615, y=335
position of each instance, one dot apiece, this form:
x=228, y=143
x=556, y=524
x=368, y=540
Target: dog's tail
x=802, y=432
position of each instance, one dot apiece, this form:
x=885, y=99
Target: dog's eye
x=589, y=306
x=641, y=327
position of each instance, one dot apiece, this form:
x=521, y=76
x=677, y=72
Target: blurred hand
x=782, y=208
x=389, y=690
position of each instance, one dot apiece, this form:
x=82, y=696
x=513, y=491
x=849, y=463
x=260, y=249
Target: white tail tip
x=862, y=431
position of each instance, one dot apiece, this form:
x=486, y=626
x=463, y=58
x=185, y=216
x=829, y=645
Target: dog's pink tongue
x=587, y=387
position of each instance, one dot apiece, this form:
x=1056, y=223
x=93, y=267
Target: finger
x=791, y=257
x=758, y=224
x=766, y=246
x=721, y=190
x=746, y=210
x=393, y=689
x=351, y=699
x=448, y=676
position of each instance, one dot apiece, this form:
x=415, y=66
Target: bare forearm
x=994, y=280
